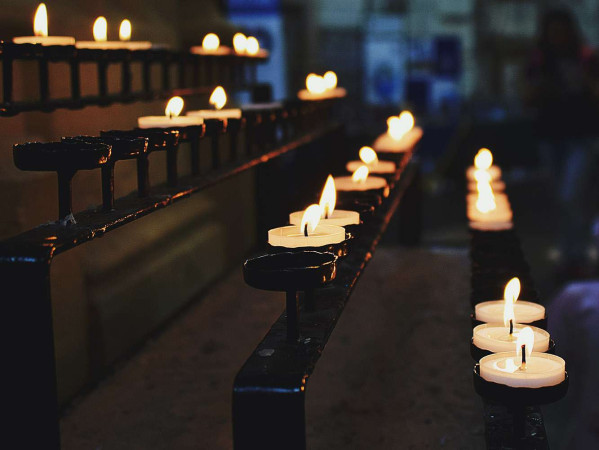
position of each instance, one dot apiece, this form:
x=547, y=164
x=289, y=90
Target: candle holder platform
x=272, y=385
x=372, y=197
x=291, y=272
x=366, y=210
x=478, y=353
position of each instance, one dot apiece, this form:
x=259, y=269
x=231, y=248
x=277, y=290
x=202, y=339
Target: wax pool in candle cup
x=329, y=215
x=523, y=368
x=496, y=337
x=369, y=158
x=40, y=31
x=310, y=233
x=218, y=99
x=171, y=119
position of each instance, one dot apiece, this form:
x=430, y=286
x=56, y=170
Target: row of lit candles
x=518, y=357
x=242, y=44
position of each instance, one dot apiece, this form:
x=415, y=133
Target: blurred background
x=520, y=77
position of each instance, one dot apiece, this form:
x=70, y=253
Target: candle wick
x=326, y=212
x=523, y=365
x=306, y=230
x=511, y=327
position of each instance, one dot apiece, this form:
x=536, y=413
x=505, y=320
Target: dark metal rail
x=29, y=375
x=270, y=389
x=195, y=74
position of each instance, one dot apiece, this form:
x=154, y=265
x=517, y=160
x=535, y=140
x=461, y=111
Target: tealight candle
x=211, y=46
x=218, y=99
x=496, y=337
x=171, y=119
x=369, y=157
x=329, y=215
x=321, y=88
x=495, y=311
x=523, y=368
x=483, y=167
x=401, y=135
x=360, y=181
x=309, y=234
x=40, y=31
x=101, y=42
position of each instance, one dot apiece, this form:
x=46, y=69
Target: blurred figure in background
x=563, y=86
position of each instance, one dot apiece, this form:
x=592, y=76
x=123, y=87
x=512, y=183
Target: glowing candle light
x=369, y=158
x=171, y=118
x=401, y=136
x=218, y=99
x=40, y=31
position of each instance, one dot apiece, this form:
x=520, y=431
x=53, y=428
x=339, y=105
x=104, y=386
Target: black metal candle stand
x=366, y=210
x=478, y=353
x=541, y=323
x=64, y=158
x=206, y=71
x=372, y=197
x=123, y=148
x=291, y=272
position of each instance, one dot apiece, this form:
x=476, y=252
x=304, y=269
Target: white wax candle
x=292, y=237
x=493, y=171
x=495, y=337
x=339, y=217
x=347, y=184
x=492, y=311
x=500, y=199
x=229, y=113
x=221, y=50
x=542, y=369
x=491, y=226
x=168, y=122
x=386, y=144
x=114, y=45
x=45, y=40
x=497, y=186
x=496, y=215
x=304, y=94
x=377, y=167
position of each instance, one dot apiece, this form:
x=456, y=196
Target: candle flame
x=360, y=175
x=174, y=107
x=218, y=97
x=330, y=80
x=315, y=84
x=482, y=176
x=525, y=337
x=125, y=30
x=483, y=159
x=240, y=42
x=252, y=45
x=328, y=198
x=485, y=201
x=368, y=156
x=510, y=296
x=310, y=219
x=211, y=42
x=100, y=29
x=398, y=126
x=40, y=21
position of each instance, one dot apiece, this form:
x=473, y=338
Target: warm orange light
x=482, y=176
x=218, y=97
x=125, y=30
x=526, y=338
x=40, y=21
x=330, y=80
x=240, y=42
x=252, y=46
x=315, y=84
x=407, y=120
x=360, y=175
x=510, y=296
x=485, y=201
x=394, y=128
x=483, y=159
x=101, y=29
x=211, y=42
x=328, y=198
x=174, y=107
x=310, y=219
x=368, y=156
